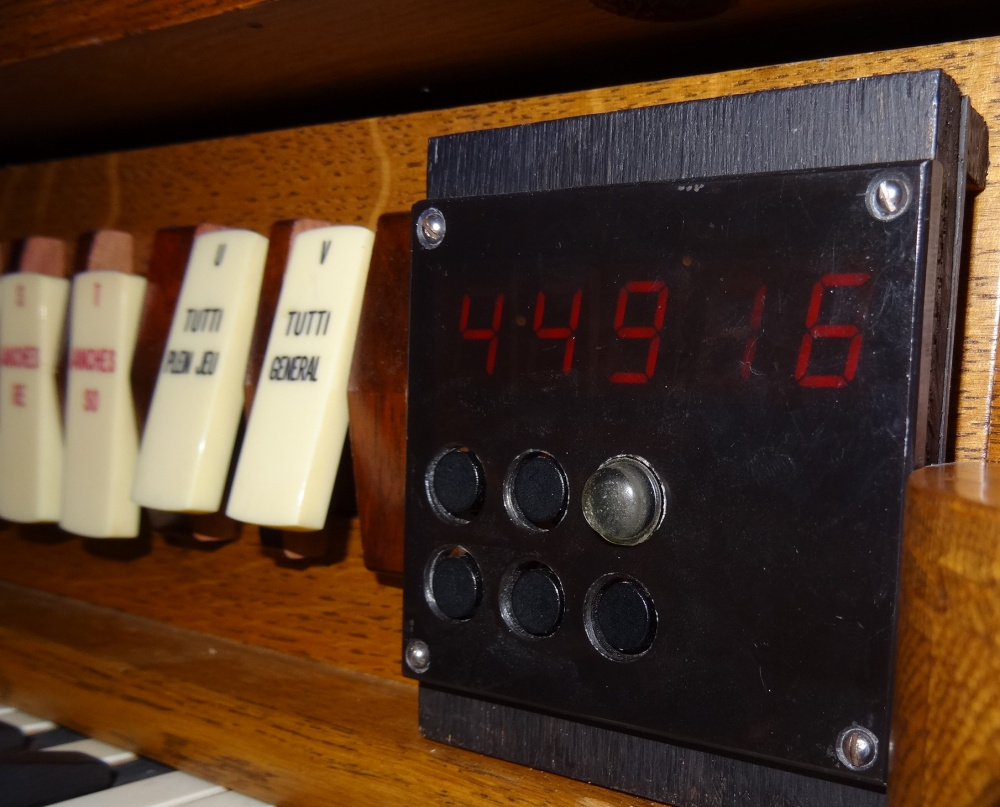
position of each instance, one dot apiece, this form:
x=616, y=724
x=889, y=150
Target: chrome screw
x=887, y=198
x=431, y=228
x=418, y=656
x=857, y=748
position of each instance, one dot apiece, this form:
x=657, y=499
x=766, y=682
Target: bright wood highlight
x=946, y=715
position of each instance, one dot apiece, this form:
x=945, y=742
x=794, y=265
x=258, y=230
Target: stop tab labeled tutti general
x=32, y=314
x=195, y=412
x=285, y=474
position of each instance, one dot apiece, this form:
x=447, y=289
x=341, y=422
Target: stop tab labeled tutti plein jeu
x=32, y=314
x=295, y=434
x=102, y=440
x=195, y=411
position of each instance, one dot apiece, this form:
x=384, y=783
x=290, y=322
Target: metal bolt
x=418, y=656
x=431, y=228
x=857, y=748
x=888, y=197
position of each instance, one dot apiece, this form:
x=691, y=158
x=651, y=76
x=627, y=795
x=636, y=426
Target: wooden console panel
x=281, y=678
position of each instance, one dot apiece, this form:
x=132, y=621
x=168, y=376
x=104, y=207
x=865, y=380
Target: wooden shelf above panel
x=86, y=77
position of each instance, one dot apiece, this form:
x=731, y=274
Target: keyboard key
x=230, y=799
x=170, y=790
x=106, y=753
x=28, y=724
x=40, y=778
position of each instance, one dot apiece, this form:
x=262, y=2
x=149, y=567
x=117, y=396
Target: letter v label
x=324, y=251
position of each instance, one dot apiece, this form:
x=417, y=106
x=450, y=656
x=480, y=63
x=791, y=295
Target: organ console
x=281, y=678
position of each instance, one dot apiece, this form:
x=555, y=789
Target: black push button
x=539, y=490
x=457, y=483
x=454, y=584
x=624, y=617
x=536, y=601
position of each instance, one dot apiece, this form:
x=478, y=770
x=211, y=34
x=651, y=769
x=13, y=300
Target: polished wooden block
x=377, y=397
x=946, y=715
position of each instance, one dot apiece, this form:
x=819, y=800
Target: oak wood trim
x=290, y=731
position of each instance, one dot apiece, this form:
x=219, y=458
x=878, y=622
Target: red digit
x=488, y=334
x=652, y=333
x=756, y=315
x=569, y=334
x=830, y=331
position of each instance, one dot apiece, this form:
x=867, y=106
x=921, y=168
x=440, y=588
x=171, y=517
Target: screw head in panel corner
x=888, y=197
x=857, y=748
x=418, y=656
x=431, y=228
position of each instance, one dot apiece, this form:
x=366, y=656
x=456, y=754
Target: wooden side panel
x=946, y=716
x=377, y=397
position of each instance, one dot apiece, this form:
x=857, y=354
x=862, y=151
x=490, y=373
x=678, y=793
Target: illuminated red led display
x=626, y=327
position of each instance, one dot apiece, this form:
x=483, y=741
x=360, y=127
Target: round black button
x=454, y=584
x=624, y=616
x=623, y=501
x=536, y=601
x=457, y=483
x=539, y=490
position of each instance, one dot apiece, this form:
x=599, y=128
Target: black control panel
x=664, y=433
x=659, y=433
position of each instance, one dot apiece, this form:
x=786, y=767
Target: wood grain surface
x=293, y=732
x=946, y=716
x=78, y=70
x=332, y=610
x=33, y=29
x=376, y=397
x=353, y=172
